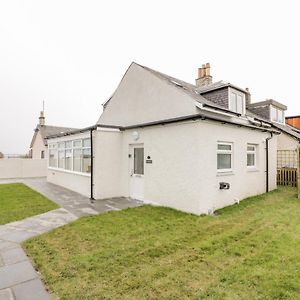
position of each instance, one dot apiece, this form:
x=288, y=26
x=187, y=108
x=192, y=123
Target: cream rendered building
x=38, y=145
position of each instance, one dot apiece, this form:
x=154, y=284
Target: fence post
x=298, y=171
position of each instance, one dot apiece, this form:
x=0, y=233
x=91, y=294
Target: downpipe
x=92, y=166
x=267, y=161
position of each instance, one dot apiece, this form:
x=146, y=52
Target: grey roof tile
x=283, y=127
x=48, y=130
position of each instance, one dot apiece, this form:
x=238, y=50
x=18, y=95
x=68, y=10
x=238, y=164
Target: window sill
x=70, y=172
x=225, y=173
x=252, y=169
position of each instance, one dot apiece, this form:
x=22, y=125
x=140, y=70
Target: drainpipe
x=267, y=161
x=92, y=166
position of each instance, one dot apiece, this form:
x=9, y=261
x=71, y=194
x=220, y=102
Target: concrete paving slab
x=17, y=236
x=116, y=204
x=89, y=211
x=31, y=290
x=12, y=256
x=7, y=245
x=6, y=294
x=15, y=274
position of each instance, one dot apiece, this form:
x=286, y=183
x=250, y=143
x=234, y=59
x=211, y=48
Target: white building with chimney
x=171, y=143
x=38, y=145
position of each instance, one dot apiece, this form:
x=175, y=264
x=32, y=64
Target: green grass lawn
x=248, y=251
x=17, y=201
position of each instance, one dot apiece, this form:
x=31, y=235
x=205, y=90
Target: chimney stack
x=42, y=118
x=204, y=77
x=248, y=97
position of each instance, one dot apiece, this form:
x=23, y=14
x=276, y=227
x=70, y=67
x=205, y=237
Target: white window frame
x=252, y=152
x=52, y=147
x=237, y=93
x=219, y=151
x=63, y=149
x=277, y=110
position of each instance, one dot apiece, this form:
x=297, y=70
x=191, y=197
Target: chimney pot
x=207, y=69
x=199, y=72
x=204, y=77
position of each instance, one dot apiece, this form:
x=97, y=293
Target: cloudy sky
x=72, y=54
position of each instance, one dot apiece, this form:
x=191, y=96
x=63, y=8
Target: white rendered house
x=170, y=143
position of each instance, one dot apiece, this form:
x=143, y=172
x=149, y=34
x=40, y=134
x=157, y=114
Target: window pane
x=77, y=143
x=139, y=161
x=250, y=148
x=69, y=144
x=53, y=146
x=224, y=161
x=68, y=160
x=239, y=104
x=61, y=155
x=61, y=145
x=250, y=159
x=224, y=147
x=86, y=160
x=86, y=143
x=273, y=113
x=280, y=115
x=232, y=104
x=53, y=158
x=77, y=153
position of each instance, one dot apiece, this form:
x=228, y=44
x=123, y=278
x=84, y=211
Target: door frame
x=131, y=175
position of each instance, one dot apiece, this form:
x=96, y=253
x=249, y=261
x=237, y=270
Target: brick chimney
x=42, y=118
x=204, y=77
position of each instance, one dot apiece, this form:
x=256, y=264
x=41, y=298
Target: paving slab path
x=18, y=279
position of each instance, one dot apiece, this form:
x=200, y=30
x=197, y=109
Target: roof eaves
x=86, y=129
x=195, y=117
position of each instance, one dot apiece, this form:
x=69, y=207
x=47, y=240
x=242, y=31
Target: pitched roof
x=268, y=102
x=290, y=130
x=292, y=117
x=48, y=130
x=218, y=85
x=209, y=109
x=188, y=88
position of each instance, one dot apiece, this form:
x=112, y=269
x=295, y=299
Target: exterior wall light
x=135, y=135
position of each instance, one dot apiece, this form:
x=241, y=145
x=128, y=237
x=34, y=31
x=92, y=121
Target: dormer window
x=276, y=114
x=236, y=101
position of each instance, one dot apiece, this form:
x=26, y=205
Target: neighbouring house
x=167, y=142
x=293, y=121
x=38, y=145
x=273, y=112
x=268, y=111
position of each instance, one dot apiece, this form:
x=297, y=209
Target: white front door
x=136, y=171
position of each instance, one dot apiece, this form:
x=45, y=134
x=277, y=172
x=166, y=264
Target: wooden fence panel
x=298, y=172
x=287, y=176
